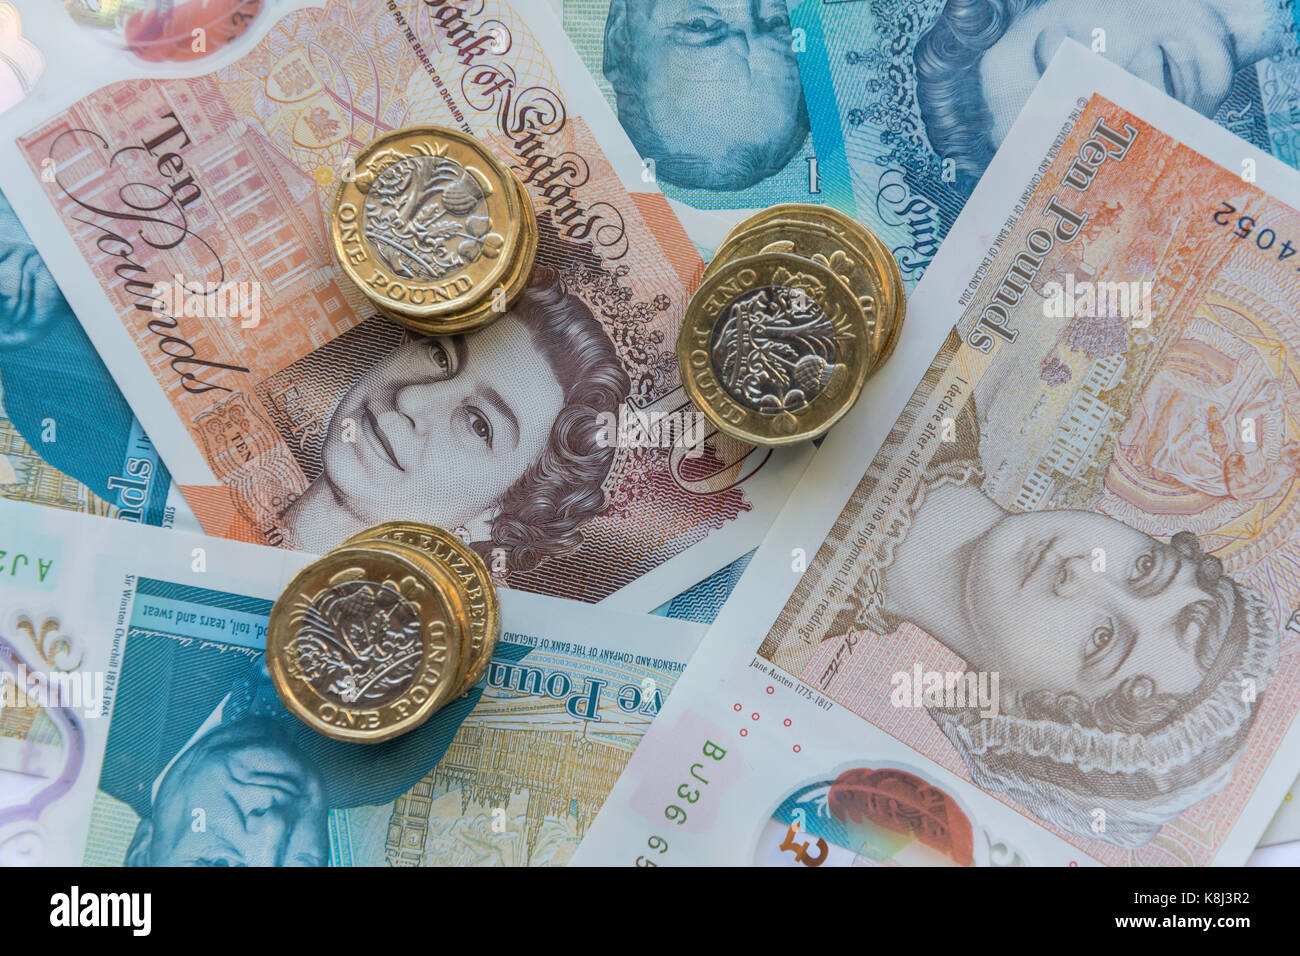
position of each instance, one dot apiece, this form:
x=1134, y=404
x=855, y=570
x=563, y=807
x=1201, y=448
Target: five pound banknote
x=67, y=436
x=909, y=99
x=138, y=724
x=711, y=96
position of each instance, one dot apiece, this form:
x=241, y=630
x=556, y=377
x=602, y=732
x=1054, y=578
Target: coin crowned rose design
x=845, y=246
x=774, y=349
x=426, y=216
x=367, y=642
x=361, y=641
x=474, y=584
x=434, y=230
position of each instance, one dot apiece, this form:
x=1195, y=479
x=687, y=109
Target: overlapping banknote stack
x=417, y=286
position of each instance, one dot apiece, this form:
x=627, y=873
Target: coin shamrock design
x=361, y=642
x=773, y=349
x=427, y=216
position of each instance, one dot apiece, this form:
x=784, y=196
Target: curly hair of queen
x=948, y=88
x=542, y=513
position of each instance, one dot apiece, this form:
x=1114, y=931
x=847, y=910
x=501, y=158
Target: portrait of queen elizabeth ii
x=978, y=60
x=494, y=434
x=1130, y=669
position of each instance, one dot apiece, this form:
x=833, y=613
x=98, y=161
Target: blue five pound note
x=909, y=99
x=67, y=436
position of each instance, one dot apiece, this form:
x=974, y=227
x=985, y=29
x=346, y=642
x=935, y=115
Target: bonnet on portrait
x=1117, y=771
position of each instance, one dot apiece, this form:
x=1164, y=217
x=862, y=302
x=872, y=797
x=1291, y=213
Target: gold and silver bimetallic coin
x=434, y=230
x=478, y=593
x=501, y=298
x=786, y=361
x=848, y=248
x=774, y=348
x=367, y=642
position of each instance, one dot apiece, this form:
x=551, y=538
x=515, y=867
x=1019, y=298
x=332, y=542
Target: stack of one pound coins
x=439, y=234
x=800, y=305
x=374, y=638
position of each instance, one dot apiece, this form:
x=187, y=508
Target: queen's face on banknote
x=980, y=60
x=443, y=426
x=709, y=91
x=262, y=804
x=492, y=434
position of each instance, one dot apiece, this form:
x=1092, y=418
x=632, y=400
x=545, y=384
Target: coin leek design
x=852, y=251
x=774, y=348
x=365, y=643
x=431, y=225
x=478, y=593
x=501, y=299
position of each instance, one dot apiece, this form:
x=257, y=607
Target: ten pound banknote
x=77, y=447
x=1053, y=621
x=139, y=726
x=558, y=440
x=909, y=99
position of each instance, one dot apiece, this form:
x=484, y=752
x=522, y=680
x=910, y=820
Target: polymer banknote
x=138, y=724
x=67, y=436
x=1053, y=620
x=164, y=32
x=909, y=99
x=107, y=464
x=293, y=425
x=711, y=96
x=530, y=767
x=23, y=63
x=104, y=464
x=703, y=601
